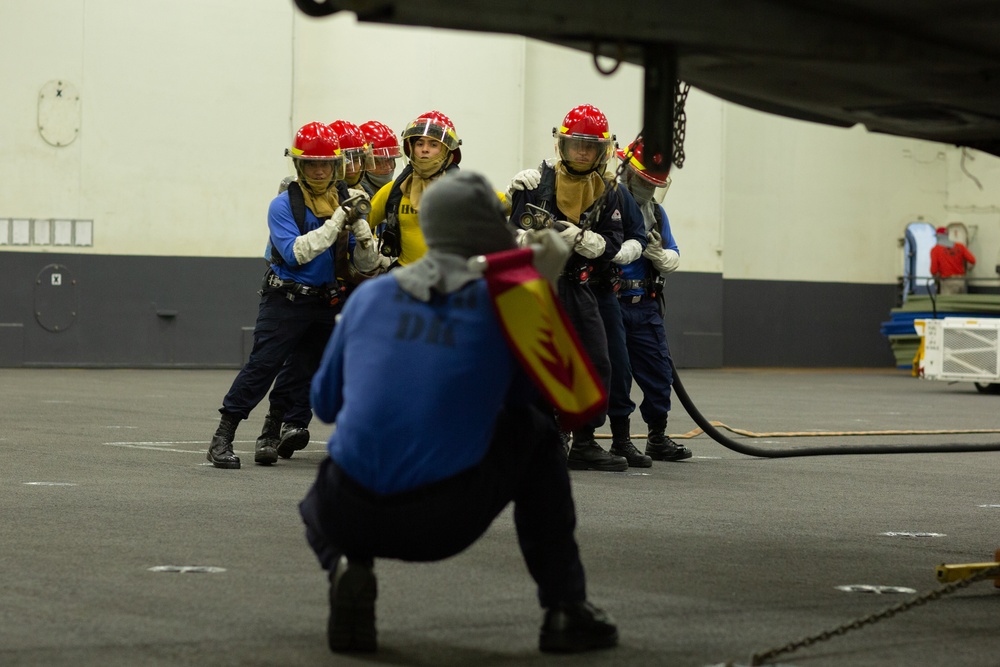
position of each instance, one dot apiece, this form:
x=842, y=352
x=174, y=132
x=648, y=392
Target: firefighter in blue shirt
x=357, y=157
x=299, y=296
x=640, y=296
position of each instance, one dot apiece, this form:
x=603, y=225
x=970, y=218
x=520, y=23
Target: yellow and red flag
x=542, y=337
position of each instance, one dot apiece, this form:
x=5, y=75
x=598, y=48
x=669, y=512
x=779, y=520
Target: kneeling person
x=401, y=484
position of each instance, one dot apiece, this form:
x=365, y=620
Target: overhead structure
x=926, y=69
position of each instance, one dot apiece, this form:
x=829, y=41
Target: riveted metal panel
x=55, y=298
x=59, y=113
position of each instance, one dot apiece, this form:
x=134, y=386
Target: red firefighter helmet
x=385, y=146
x=585, y=126
x=382, y=139
x=655, y=170
x=435, y=125
x=317, y=142
x=354, y=146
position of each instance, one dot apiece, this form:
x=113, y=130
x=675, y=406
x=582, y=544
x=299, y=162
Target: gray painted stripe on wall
x=195, y=312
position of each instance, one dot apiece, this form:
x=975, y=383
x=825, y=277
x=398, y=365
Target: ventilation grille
x=970, y=352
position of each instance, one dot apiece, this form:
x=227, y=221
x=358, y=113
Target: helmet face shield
x=425, y=127
x=583, y=152
x=641, y=189
x=433, y=125
x=336, y=166
x=653, y=180
x=645, y=168
x=382, y=164
x=357, y=160
x=382, y=140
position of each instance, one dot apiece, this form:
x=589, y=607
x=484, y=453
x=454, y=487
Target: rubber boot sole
x=229, y=464
x=576, y=464
x=265, y=455
x=634, y=462
x=293, y=443
x=669, y=457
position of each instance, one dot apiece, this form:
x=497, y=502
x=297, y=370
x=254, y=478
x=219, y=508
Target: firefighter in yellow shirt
x=433, y=148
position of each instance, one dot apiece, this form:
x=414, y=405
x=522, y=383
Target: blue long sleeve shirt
x=414, y=387
x=281, y=224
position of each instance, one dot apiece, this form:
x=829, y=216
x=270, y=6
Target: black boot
x=293, y=438
x=586, y=454
x=220, y=451
x=353, y=589
x=266, y=451
x=660, y=447
x=579, y=626
x=621, y=444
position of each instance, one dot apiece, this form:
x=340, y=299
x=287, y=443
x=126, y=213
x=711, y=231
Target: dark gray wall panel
x=136, y=311
x=693, y=319
x=199, y=312
x=803, y=324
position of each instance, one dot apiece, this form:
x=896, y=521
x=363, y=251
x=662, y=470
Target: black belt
x=579, y=274
x=293, y=289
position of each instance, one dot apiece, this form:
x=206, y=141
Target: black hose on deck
x=750, y=450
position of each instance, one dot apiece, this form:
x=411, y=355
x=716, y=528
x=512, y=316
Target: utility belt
x=651, y=289
x=635, y=298
x=335, y=293
x=609, y=281
x=578, y=273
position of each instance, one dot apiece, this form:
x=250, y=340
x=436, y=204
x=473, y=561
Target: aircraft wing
x=927, y=69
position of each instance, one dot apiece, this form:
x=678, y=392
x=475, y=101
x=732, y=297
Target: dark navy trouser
x=620, y=382
x=584, y=314
x=289, y=337
x=649, y=356
x=525, y=464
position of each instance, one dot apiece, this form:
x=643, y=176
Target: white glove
x=591, y=245
x=365, y=255
x=550, y=253
x=631, y=251
x=664, y=260
x=527, y=179
x=312, y=244
x=569, y=232
x=362, y=233
x=522, y=238
x=354, y=192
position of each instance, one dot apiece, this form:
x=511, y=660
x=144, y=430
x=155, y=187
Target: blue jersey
x=642, y=268
x=280, y=222
x=414, y=387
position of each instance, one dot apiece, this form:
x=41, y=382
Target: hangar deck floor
x=700, y=562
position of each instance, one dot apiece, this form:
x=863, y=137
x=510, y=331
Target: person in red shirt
x=949, y=263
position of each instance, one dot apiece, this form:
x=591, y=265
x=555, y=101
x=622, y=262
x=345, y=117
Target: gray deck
x=700, y=562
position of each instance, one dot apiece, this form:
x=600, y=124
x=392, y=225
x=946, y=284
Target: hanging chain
x=765, y=656
x=681, y=91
